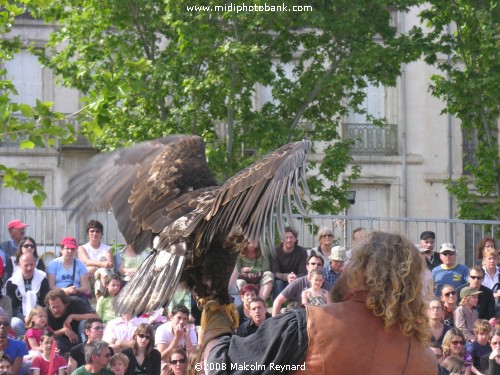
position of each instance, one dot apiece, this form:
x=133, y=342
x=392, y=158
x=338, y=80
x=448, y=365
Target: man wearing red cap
x=16, y=230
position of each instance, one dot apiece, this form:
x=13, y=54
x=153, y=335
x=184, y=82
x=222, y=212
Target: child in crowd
x=119, y=364
x=5, y=364
x=49, y=360
x=480, y=347
x=104, y=307
x=315, y=295
x=36, y=322
x=465, y=314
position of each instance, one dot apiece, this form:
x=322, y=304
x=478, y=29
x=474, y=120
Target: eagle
x=163, y=190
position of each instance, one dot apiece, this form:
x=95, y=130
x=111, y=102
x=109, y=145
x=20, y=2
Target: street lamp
x=351, y=198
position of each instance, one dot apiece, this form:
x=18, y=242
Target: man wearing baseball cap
x=427, y=242
x=450, y=272
x=17, y=231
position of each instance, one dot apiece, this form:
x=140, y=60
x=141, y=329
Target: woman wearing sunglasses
x=454, y=345
x=449, y=300
x=177, y=363
x=144, y=358
x=26, y=245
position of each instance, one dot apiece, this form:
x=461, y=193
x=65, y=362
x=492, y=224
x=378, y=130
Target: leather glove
x=217, y=320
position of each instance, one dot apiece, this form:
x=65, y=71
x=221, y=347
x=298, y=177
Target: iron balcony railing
x=370, y=139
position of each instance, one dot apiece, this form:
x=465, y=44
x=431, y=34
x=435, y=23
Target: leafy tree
x=467, y=31
x=30, y=126
x=150, y=68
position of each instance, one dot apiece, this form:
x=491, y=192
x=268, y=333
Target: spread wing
x=145, y=185
x=196, y=245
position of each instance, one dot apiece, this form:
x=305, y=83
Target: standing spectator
x=69, y=274
x=15, y=349
x=26, y=245
x=258, y=313
x=435, y=315
x=449, y=272
x=486, y=304
x=487, y=243
x=481, y=346
x=26, y=288
x=334, y=267
x=449, y=300
x=66, y=315
x=97, y=357
x=427, y=242
x=93, y=329
x=119, y=331
x=176, y=333
x=325, y=239
x=465, y=314
x=104, y=307
x=143, y=357
x=315, y=295
x=289, y=261
x=42, y=364
x=254, y=268
x=293, y=292
x=16, y=231
x=97, y=256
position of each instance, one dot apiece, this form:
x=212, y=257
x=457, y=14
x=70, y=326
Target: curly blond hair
x=390, y=268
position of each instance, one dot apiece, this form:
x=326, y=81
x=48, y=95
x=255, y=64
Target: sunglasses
x=142, y=336
x=29, y=246
x=457, y=342
x=4, y=324
x=476, y=277
x=449, y=294
x=327, y=235
x=447, y=253
x=495, y=343
x=176, y=361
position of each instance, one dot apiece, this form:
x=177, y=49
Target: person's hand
x=179, y=330
x=72, y=336
x=246, y=269
x=291, y=277
x=494, y=354
x=67, y=322
x=109, y=265
x=70, y=290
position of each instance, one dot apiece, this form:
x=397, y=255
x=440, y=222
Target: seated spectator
x=176, y=333
x=36, y=324
x=435, y=315
x=449, y=301
x=47, y=361
x=486, y=302
x=177, y=363
x=449, y=272
x=17, y=230
x=254, y=268
x=491, y=361
x=69, y=274
x=97, y=256
x=181, y=296
x=26, y=288
x=15, y=349
x=5, y=302
x=465, y=314
x=97, y=357
x=325, y=239
x=104, y=307
x=93, y=330
x=129, y=262
x=247, y=293
x=119, y=332
x=335, y=264
x=258, y=313
x=119, y=363
x=288, y=262
x=438, y=351
x=454, y=345
x=293, y=292
x=315, y=295
x=66, y=316
x=143, y=357
x=455, y=365
x=26, y=245
x=5, y=364
x=481, y=346
x=487, y=243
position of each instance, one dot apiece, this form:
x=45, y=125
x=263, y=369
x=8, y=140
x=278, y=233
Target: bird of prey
x=164, y=187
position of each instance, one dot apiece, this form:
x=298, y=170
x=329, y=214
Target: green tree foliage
x=150, y=68
x=20, y=123
x=468, y=32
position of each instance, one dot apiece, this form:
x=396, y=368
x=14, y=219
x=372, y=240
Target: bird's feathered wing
x=170, y=190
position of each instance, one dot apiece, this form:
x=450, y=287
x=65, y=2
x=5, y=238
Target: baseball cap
x=16, y=224
x=447, y=246
x=338, y=253
x=469, y=291
x=427, y=234
x=69, y=242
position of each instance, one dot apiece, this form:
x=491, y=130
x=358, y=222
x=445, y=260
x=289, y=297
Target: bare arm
x=16, y=366
x=72, y=365
x=84, y=257
x=304, y=298
x=278, y=302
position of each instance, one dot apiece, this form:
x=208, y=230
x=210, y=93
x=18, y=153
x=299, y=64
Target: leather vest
x=348, y=339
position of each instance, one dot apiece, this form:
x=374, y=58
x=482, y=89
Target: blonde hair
x=119, y=357
x=448, y=337
x=390, y=267
x=34, y=311
x=482, y=326
x=454, y=364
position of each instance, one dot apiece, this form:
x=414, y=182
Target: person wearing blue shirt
x=449, y=272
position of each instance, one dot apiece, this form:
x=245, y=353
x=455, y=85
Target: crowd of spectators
x=69, y=302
